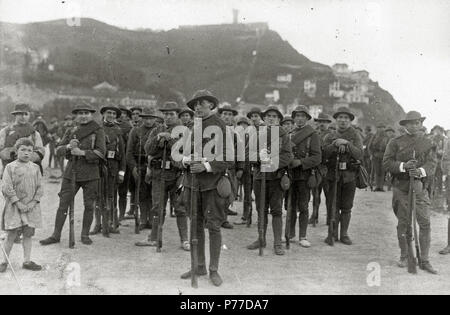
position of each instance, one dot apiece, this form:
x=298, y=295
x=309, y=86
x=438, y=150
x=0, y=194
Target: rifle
x=316, y=197
x=72, y=205
x=333, y=205
x=194, y=238
x=261, y=213
x=138, y=189
x=248, y=196
x=287, y=230
x=104, y=202
x=162, y=204
x=412, y=262
x=372, y=174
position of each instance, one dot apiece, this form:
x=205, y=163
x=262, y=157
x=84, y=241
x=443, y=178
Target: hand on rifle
x=295, y=163
x=416, y=173
x=239, y=174
x=77, y=152
x=340, y=142
x=410, y=165
x=197, y=168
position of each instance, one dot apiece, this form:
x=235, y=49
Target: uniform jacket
x=378, y=144
x=285, y=155
x=353, y=154
x=114, y=146
x=126, y=127
x=92, y=140
x=155, y=148
x=138, y=137
x=208, y=180
x=401, y=150
x=311, y=157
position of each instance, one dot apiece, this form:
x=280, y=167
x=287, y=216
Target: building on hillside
x=335, y=90
x=357, y=95
x=341, y=70
x=310, y=88
x=272, y=97
x=360, y=76
x=284, y=78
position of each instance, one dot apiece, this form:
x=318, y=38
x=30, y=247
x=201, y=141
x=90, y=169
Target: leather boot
x=345, y=223
x=182, y=225
x=277, y=226
x=215, y=246
x=98, y=222
x=105, y=223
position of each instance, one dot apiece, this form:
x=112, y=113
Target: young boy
x=22, y=191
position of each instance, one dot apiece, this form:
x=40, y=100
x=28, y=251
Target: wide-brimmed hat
x=389, y=128
x=410, y=116
x=170, y=107
x=202, y=95
x=242, y=120
x=323, y=117
x=21, y=108
x=273, y=108
x=287, y=118
x=83, y=107
x=151, y=113
x=228, y=108
x=136, y=108
x=184, y=111
x=301, y=109
x=113, y=108
x=344, y=110
x=126, y=110
x=255, y=110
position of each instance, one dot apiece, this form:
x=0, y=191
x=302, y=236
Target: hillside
x=173, y=64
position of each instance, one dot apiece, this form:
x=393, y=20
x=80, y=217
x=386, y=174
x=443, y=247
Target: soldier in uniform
x=53, y=138
x=107, y=219
x=366, y=141
x=123, y=121
x=159, y=138
x=347, y=143
x=411, y=155
x=255, y=116
x=136, y=157
x=67, y=124
x=236, y=169
x=21, y=128
x=186, y=115
x=377, y=147
x=323, y=121
x=136, y=118
x=41, y=126
x=288, y=123
x=274, y=172
x=446, y=172
x=84, y=146
x=204, y=175
x=307, y=156
x=247, y=177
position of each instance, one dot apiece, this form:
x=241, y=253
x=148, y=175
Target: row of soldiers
x=116, y=153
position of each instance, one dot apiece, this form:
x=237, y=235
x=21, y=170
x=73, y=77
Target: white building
x=284, y=78
x=335, y=90
x=310, y=88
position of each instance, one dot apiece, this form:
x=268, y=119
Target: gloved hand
x=198, y=168
x=411, y=164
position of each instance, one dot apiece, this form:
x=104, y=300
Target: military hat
x=201, y=95
x=186, y=110
x=242, y=120
x=68, y=117
x=323, y=117
x=389, y=128
x=170, y=107
x=287, y=118
x=273, y=108
x=83, y=107
x=227, y=108
x=136, y=108
x=344, y=110
x=301, y=109
x=410, y=116
x=113, y=108
x=54, y=119
x=437, y=127
x=21, y=108
x=254, y=110
x=149, y=112
x=126, y=110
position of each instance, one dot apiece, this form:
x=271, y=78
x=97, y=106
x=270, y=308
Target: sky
x=404, y=44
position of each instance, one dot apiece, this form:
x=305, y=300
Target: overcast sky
x=404, y=44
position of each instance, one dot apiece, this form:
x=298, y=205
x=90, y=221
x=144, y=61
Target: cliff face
x=231, y=60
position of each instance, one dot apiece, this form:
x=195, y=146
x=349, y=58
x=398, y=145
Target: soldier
x=236, y=169
x=207, y=173
x=446, y=172
x=107, y=219
x=41, y=126
x=53, y=137
x=247, y=178
x=438, y=139
x=21, y=128
x=390, y=134
x=346, y=143
x=123, y=121
x=84, y=146
x=274, y=192
x=159, y=138
x=288, y=123
x=136, y=118
x=186, y=116
x=307, y=156
x=136, y=156
x=68, y=124
x=377, y=147
x=411, y=155
x=323, y=121
x=255, y=116
x=366, y=141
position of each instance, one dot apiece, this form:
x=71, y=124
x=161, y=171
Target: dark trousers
x=247, y=182
x=379, y=172
x=145, y=201
x=90, y=191
x=317, y=193
x=344, y=203
x=210, y=213
x=52, y=155
x=169, y=189
x=301, y=195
